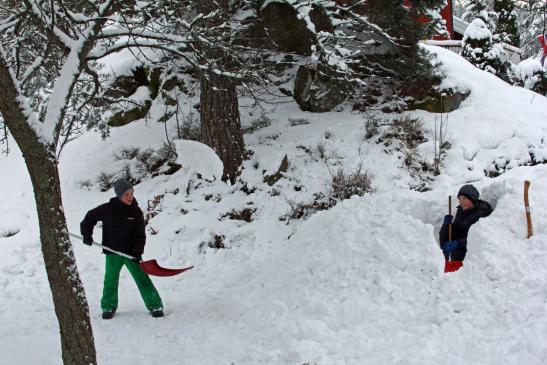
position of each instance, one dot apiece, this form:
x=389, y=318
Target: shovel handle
x=527, y=209
x=450, y=213
x=104, y=247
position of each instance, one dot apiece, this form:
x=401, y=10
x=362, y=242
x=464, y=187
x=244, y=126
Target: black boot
x=108, y=314
x=157, y=313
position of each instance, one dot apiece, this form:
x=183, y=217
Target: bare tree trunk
x=69, y=298
x=68, y=293
x=219, y=107
x=220, y=123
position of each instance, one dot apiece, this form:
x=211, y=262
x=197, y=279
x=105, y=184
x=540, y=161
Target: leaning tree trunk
x=69, y=298
x=220, y=123
x=68, y=293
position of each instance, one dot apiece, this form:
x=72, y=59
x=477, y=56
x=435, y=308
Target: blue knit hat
x=470, y=192
x=121, y=186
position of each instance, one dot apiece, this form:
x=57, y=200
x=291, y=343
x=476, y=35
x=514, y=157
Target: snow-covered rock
x=196, y=157
x=528, y=67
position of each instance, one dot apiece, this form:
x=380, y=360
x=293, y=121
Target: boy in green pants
x=123, y=231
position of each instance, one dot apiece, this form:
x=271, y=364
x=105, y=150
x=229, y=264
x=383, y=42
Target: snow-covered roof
x=460, y=25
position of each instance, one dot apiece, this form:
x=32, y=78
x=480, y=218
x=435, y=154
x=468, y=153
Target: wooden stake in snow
x=527, y=208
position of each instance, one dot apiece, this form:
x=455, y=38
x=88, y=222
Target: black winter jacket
x=460, y=227
x=123, y=226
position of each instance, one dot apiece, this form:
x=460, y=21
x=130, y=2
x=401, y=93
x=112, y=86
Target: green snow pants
x=114, y=264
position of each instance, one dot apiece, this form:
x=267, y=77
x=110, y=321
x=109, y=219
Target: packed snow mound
x=529, y=72
x=528, y=67
x=497, y=128
x=196, y=157
x=477, y=30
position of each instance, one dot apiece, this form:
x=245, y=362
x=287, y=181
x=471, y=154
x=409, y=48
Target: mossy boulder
x=125, y=117
x=316, y=92
x=125, y=86
x=444, y=101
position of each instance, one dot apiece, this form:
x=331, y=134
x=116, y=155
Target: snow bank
x=528, y=68
x=196, y=157
x=497, y=128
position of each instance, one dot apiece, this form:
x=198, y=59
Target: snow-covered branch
x=7, y=23
x=140, y=33
x=20, y=112
x=48, y=25
x=4, y=141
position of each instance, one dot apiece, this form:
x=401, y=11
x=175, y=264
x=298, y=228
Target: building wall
x=446, y=13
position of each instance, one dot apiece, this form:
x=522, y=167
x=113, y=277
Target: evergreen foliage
x=481, y=9
x=480, y=49
x=531, y=16
x=506, y=26
x=408, y=69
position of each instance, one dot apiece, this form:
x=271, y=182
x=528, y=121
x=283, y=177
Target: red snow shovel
x=151, y=267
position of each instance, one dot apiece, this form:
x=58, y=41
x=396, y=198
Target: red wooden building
x=447, y=15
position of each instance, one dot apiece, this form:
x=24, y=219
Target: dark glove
x=447, y=219
x=450, y=246
x=88, y=241
x=137, y=259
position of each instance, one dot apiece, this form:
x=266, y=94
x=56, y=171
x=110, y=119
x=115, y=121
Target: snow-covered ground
x=361, y=283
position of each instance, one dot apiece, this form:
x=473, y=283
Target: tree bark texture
x=219, y=113
x=69, y=298
x=220, y=123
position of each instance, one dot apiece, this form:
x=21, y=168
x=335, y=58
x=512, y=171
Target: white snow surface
x=361, y=283
x=477, y=30
x=528, y=67
x=198, y=158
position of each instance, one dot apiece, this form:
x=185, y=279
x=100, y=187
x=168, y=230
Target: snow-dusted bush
x=145, y=162
x=303, y=210
x=245, y=214
x=135, y=164
x=371, y=129
x=104, y=181
x=531, y=75
x=293, y=122
x=127, y=153
x=341, y=186
x=344, y=186
x=262, y=121
x=479, y=48
x=403, y=138
x=405, y=131
x=321, y=151
x=190, y=128
x=9, y=232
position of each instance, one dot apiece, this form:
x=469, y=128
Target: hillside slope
x=361, y=283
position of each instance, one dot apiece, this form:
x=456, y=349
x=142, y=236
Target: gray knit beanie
x=121, y=186
x=470, y=192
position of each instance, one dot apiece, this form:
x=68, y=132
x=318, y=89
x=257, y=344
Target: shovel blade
x=452, y=266
x=151, y=267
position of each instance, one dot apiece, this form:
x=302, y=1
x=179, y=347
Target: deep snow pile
x=361, y=283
